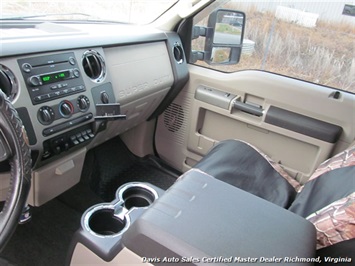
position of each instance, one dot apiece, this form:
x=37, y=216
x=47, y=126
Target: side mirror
x=224, y=37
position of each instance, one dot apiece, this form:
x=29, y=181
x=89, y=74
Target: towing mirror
x=224, y=37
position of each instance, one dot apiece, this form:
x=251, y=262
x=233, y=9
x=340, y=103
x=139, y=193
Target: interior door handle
x=248, y=108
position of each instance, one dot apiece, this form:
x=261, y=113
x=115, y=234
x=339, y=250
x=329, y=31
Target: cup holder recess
x=112, y=219
x=103, y=222
x=136, y=195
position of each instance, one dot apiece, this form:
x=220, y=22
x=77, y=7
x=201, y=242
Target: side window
x=311, y=41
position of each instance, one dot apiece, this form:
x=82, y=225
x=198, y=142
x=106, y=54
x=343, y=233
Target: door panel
x=311, y=124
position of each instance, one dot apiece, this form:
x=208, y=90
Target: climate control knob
x=45, y=115
x=66, y=108
x=83, y=103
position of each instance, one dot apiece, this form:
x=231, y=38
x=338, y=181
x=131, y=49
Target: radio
x=51, y=76
x=48, y=78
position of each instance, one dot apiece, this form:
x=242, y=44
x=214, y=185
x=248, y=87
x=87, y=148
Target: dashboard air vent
x=94, y=65
x=178, y=53
x=8, y=82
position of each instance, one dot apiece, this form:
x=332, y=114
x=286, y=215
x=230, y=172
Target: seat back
x=242, y=165
x=328, y=199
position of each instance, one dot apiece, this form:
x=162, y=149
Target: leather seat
x=327, y=199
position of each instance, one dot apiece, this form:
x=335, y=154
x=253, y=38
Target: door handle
x=248, y=108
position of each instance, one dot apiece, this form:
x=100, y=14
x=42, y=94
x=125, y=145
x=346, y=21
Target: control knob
x=66, y=108
x=105, y=99
x=83, y=103
x=34, y=81
x=45, y=115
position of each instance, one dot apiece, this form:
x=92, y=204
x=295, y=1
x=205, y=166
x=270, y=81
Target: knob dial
x=76, y=73
x=34, y=81
x=83, y=103
x=104, y=97
x=45, y=115
x=66, y=108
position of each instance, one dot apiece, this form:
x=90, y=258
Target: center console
x=198, y=220
x=103, y=225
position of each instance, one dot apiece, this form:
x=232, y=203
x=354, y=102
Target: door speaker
x=174, y=117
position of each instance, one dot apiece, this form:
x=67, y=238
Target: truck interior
x=156, y=142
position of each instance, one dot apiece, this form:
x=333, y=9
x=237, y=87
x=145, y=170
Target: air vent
x=173, y=117
x=94, y=66
x=8, y=82
x=178, y=53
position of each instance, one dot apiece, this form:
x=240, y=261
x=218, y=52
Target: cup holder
x=136, y=195
x=112, y=219
x=103, y=222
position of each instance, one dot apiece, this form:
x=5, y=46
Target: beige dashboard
x=71, y=100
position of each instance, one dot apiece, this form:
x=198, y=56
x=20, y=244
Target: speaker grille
x=174, y=117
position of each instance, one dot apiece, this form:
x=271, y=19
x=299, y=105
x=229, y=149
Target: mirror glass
x=220, y=55
x=228, y=28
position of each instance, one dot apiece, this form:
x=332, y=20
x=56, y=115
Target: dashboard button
x=74, y=140
x=55, y=129
x=26, y=67
x=89, y=132
x=76, y=73
x=72, y=61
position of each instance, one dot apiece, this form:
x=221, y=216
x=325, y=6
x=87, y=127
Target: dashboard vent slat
x=94, y=65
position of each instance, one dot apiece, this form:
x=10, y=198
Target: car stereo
x=51, y=76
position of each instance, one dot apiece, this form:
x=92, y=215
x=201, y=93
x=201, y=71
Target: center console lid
x=202, y=220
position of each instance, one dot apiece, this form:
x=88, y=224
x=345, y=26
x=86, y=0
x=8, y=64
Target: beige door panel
x=209, y=116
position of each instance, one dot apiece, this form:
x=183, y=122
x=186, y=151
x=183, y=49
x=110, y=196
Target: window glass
x=312, y=41
x=126, y=11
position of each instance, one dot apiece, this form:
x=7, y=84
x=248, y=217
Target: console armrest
x=201, y=218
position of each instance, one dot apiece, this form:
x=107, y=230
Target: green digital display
x=54, y=77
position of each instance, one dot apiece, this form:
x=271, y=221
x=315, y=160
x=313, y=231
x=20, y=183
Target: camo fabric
x=343, y=159
x=335, y=222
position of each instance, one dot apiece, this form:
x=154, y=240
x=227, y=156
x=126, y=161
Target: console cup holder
x=112, y=219
x=136, y=195
x=103, y=222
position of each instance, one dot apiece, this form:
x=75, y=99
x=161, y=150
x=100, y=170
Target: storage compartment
x=307, y=152
x=55, y=178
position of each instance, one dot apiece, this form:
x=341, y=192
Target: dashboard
x=77, y=85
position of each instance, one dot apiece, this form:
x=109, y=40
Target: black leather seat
x=327, y=199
